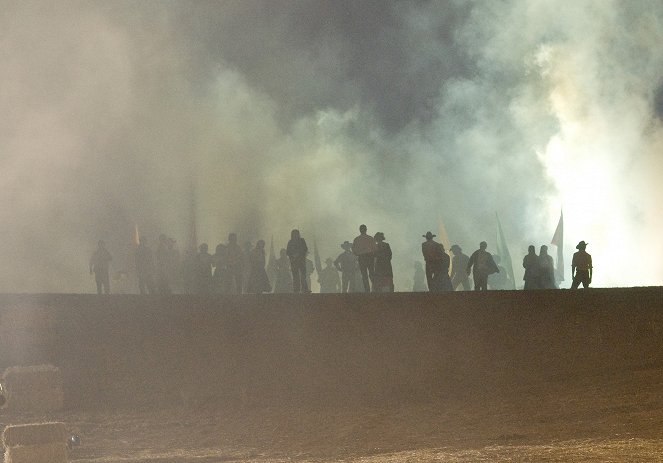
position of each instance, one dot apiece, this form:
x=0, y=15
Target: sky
x=323, y=115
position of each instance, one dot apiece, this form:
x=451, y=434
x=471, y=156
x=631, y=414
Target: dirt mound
x=260, y=350
x=500, y=376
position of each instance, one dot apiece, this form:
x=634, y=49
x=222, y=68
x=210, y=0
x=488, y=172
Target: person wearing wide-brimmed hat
x=346, y=263
x=328, y=278
x=437, y=264
x=384, y=276
x=581, y=267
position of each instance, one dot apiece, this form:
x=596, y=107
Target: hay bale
x=34, y=434
x=34, y=388
x=44, y=453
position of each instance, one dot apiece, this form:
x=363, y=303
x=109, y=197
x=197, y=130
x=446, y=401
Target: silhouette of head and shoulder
x=429, y=236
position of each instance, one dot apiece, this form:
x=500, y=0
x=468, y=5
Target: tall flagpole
x=558, y=240
x=504, y=253
x=193, y=205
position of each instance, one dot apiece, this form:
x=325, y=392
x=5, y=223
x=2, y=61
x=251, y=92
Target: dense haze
x=321, y=115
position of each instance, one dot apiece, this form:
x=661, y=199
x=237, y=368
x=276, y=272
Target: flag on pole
x=271, y=264
x=503, y=252
x=193, y=234
x=558, y=240
x=316, y=257
x=442, y=236
x=135, y=239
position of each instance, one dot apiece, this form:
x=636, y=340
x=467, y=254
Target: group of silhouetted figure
x=364, y=266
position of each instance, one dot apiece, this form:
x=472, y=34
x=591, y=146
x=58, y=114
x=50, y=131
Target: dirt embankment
x=123, y=351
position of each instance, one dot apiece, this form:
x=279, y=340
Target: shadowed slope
x=275, y=349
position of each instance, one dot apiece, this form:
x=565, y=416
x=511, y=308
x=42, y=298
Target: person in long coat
x=546, y=269
x=234, y=260
x=283, y=283
x=437, y=264
x=220, y=276
x=296, y=252
x=258, y=282
x=203, y=269
x=99, y=264
x=384, y=275
x=531, y=266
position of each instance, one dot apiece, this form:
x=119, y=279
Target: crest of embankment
x=278, y=349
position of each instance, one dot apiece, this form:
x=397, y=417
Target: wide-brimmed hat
x=429, y=235
x=346, y=245
x=582, y=245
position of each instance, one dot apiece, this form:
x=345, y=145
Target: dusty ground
x=616, y=417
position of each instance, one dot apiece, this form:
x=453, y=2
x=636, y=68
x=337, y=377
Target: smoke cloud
x=325, y=115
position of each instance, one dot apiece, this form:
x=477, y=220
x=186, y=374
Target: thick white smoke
x=325, y=115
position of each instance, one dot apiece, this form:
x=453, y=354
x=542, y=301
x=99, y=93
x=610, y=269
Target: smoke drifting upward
x=325, y=115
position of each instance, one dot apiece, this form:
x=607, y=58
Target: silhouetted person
x=346, y=263
x=283, y=283
x=164, y=265
x=459, y=263
x=444, y=282
x=145, y=268
x=234, y=265
x=99, y=264
x=499, y=280
x=328, y=278
x=483, y=265
x=419, y=279
x=188, y=271
x=546, y=269
x=173, y=270
x=220, y=275
x=581, y=267
x=258, y=281
x=296, y=252
x=531, y=266
x=203, y=276
x=383, y=276
x=437, y=264
x=364, y=248
x=271, y=264
x=246, y=264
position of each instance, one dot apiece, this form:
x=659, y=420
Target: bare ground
x=612, y=417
